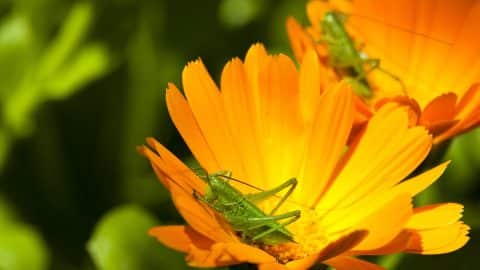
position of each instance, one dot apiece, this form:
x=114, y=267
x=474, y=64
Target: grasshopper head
x=216, y=185
x=210, y=195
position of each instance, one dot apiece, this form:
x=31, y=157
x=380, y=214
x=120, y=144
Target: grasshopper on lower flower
x=252, y=224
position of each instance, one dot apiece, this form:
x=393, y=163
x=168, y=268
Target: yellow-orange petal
x=439, y=240
x=397, y=244
x=316, y=10
x=422, y=230
x=240, y=113
x=436, y=229
x=366, y=213
x=180, y=238
x=420, y=182
x=256, y=60
x=224, y=254
x=281, y=122
x=383, y=230
x=349, y=263
x=470, y=102
x=300, y=41
x=424, y=221
x=341, y=245
x=272, y=266
x=363, y=112
x=442, y=108
x=385, y=154
x=246, y=253
x=440, y=127
x=467, y=114
x=432, y=216
x=172, y=167
x=439, y=115
x=278, y=89
x=310, y=88
x=188, y=127
x=342, y=5
x=461, y=65
x=182, y=182
x=413, y=109
x=431, y=56
x=203, y=220
x=205, y=101
x=330, y=131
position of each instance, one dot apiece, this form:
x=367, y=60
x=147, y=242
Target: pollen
x=285, y=252
x=309, y=238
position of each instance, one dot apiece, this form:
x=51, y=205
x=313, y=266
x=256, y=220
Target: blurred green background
x=82, y=83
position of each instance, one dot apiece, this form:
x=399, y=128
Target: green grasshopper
x=252, y=224
x=345, y=57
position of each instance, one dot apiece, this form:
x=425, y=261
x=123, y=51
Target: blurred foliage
x=21, y=246
x=238, y=13
x=35, y=68
x=118, y=243
x=464, y=167
x=82, y=85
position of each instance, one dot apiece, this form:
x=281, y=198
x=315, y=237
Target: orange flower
x=432, y=46
x=270, y=123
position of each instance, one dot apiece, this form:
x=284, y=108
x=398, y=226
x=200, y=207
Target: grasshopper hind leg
x=259, y=222
x=278, y=226
x=291, y=184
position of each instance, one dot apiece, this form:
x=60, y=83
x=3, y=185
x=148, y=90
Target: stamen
x=309, y=238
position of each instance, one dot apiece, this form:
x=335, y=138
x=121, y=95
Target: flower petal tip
x=142, y=150
x=151, y=142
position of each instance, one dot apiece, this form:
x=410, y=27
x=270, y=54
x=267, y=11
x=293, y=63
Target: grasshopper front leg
x=290, y=183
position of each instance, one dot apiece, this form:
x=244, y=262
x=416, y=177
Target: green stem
x=50, y=164
x=391, y=262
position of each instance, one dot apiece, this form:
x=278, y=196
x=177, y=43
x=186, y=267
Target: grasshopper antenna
x=396, y=78
x=404, y=29
x=241, y=182
x=262, y=190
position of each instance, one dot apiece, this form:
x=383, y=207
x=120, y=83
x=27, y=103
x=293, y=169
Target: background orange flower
x=432, y=46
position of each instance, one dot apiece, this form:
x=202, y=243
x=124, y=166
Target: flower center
x=309, y=238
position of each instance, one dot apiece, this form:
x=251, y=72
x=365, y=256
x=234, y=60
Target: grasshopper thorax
x=218, y=188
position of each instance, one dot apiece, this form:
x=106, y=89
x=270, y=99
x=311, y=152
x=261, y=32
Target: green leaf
x=19, y=107
x=21, y=247
x=149, y=68
x=64, y=66
x=4, y=148
x=238, y=13
x=88, y=64
x=16, y=52
x=462, y=174
x=120, y=241
x=70, y=36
